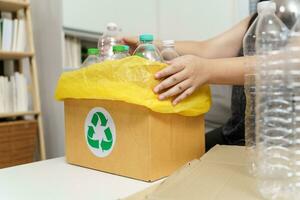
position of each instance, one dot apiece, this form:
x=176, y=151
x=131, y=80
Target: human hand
x=132, y=42
x=182, y=77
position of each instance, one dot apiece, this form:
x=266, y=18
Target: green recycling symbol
x=100, y=132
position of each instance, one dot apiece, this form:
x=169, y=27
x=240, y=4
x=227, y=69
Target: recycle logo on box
x=100, y=132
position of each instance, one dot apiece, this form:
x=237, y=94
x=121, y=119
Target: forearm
x=203, y=49
x=227, y=71
x=225, y=45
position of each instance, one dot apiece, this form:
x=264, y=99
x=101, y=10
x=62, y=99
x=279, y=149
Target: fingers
x=130, y=40
x=168, y=71
x=170, y=81
x=177, y=89
x=183, y=95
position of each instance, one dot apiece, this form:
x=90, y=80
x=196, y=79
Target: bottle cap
x=126, y=47
x=93, y=51
x=146, y=38
x=168, y=43
x=111, y=26
x=120, y=48
x=266, y=5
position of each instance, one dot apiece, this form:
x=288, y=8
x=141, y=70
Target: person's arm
x=185, y=74
x=228, y=71
x=224, y=45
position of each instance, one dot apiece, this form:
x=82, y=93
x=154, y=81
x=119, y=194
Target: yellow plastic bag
x=130, y=80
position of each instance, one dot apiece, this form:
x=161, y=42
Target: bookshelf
x=7, y=55
x=14, y=6
x=18, y=114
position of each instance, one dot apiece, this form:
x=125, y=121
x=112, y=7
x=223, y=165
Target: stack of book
x=13, y=93
x=12, y=32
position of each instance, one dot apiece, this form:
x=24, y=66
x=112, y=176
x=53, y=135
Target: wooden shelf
x=12, y=5
x=14, y=55
x=18, y=114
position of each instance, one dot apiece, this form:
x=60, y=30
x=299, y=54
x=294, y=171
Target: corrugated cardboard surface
x=221, y=174
x=149, y=145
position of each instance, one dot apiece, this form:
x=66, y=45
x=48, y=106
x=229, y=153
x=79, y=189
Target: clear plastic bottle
x=93, y=57
x=168, y=52
x=147, y=49
x=249, y=88
x=273, y=107
x=293, y=54
x=120, y=51
x=109, y=38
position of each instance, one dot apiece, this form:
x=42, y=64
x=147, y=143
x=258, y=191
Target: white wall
x=47, y=30
x=178, y=19
x=194, y=19
x=134, y=16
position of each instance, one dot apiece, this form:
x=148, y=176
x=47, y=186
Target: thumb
x=130, y=40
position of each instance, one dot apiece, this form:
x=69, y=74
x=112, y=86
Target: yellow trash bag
x=130, y=80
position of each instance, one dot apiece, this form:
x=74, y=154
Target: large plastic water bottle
x=249, y=86
x=109, y=38
x=147, y=49
x=93, y=57
x=293, y=53
x=168, y=51
x=273, y=107
x=120, y=51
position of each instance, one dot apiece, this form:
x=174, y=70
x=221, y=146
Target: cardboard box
x=221, y=174
x=130, y=140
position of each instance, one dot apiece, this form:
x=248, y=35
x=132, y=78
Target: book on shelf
x=14, y=35
x=13, y=32
x=13, y=93
x=7, y=31
x=1, y=24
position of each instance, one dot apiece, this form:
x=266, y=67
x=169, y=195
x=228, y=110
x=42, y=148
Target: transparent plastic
x=106, y=42
x=129, y=80
x=293, y=55
x=274, y=134
x=120, y=51
x=249, y=89
x=147, y=49
x=168, y=51
x=93, y=57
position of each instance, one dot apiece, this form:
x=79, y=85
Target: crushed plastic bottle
x=120, y=51
x=93, y=57
x=293, y=55
x=147, y=49
x=109, y=38
x=274, y=134
x=168, y=52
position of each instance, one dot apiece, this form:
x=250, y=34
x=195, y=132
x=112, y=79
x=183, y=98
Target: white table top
x=55, y=179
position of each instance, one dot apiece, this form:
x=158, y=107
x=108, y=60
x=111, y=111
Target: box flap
x=220, y=175
x=233, y=155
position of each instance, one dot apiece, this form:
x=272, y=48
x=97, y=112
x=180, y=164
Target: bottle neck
x=266, y=12
x=146, y=42
x=168, y=46
x=120, y=52
x=111, y=33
